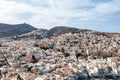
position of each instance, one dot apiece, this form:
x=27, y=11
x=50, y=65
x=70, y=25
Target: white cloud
x=9, y=11
x=49, y=13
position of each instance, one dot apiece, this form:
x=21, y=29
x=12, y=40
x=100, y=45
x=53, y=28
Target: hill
x=61, y=30
x=8, y=30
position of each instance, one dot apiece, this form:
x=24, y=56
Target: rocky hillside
x=7, y=30
x=61, y=30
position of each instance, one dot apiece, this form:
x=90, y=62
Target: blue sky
x=100, y=15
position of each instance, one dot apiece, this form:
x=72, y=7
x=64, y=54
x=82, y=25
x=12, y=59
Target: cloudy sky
x=100, y=15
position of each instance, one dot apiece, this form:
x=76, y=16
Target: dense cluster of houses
x=70, y=56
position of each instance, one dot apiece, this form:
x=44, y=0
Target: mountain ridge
x=8, y=30
x=26, y=30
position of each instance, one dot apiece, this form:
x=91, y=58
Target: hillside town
x=70, y=56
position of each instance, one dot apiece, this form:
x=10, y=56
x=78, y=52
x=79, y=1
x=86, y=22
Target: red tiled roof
x=29, y=57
